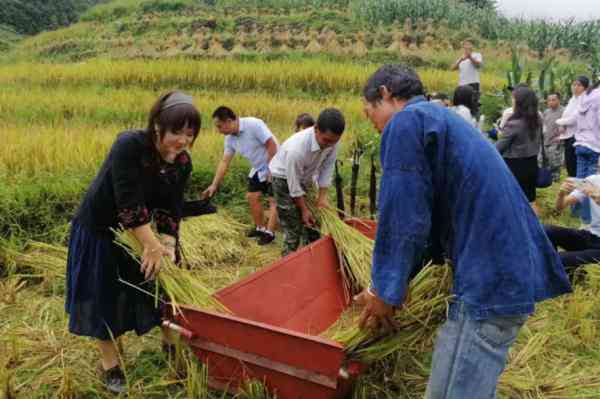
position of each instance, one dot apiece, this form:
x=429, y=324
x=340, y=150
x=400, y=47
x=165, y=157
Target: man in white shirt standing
x=251, y=138
x=304, y=158
x=468, y=66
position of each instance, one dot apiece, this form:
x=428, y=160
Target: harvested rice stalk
x=7, y=390
x=43, y=261
x=355, y=250
x=254, y=389
x=417, y=320
x=213, y=240
x=181, y=286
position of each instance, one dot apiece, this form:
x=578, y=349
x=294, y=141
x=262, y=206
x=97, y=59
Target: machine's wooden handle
x=178, y=329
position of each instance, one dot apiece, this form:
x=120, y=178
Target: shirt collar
x=314, y=144
x=415, y=100
x=242, y=126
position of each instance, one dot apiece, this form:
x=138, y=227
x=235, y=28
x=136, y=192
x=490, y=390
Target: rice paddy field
x=57, y=122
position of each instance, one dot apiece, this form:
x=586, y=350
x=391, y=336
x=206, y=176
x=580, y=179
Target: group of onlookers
x=535, y=144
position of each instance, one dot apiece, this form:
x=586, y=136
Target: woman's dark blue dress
x=134, y=187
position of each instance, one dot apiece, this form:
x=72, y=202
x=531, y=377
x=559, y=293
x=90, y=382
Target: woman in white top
x=464, y=104
x=568, y=122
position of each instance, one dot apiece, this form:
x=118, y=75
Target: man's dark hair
x=304, y=121
x=332, y=121
x=401, y=81
x=224, y=113
x=554, y=93
x=465, y=95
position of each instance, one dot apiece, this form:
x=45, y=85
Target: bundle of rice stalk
x=355, y=250
x=180, y=285
x=416, y=321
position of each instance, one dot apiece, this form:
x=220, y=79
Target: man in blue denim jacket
x=444, y=184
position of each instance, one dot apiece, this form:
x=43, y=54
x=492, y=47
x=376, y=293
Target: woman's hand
x=152, y=260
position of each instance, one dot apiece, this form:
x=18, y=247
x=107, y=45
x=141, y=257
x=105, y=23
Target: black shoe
x=254, y=233
x=114, y=380
x=267, y=238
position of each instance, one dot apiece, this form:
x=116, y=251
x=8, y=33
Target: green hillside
x=351, y=28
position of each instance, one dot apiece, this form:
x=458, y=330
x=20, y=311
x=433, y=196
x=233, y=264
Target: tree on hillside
x=481, y=3
x=33, y=16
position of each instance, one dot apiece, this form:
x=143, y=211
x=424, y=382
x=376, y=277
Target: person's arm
x=219, y=175
x=294, y=180
x=271, y=148
x=405, y=218
x=477, y=60
x=307, y=217
x=508, y=134
x=126, y=172
x=326, y=170
x=568, y=196
x=457, y=63
x=167, y=223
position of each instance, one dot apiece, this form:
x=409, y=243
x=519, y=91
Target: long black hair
x=465, y=95
x=526, y=108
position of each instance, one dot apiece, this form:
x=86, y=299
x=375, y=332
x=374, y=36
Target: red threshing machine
x=273, y=332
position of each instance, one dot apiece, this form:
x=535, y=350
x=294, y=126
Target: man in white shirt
x=251, y=138
x=303, y=159
x=468, y=66
x=581, y=246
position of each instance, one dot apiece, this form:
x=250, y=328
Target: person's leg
x=272, y=222
x=109, y=354
x=477, y=97
x=570, y=158
x=470, y=356
x=256, y=208
x=567, y=239
x=572, y=260
x=583, y=209
x=290, y=219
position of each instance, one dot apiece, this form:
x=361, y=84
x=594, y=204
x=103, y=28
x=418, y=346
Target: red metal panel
x=302, y=292
x=367, y=227
x=227, y=374
x=297, y=350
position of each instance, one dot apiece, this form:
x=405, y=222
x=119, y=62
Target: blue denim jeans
x=470, y=355
x=587, y=165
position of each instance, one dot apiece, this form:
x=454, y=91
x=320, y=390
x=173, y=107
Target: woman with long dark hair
x=520, y=141
x=140, y=182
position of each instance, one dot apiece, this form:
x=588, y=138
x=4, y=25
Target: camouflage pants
x=554, y=159
x=290, y=219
